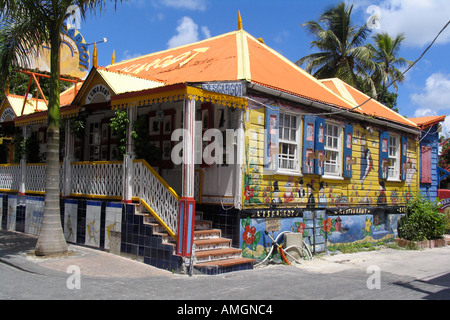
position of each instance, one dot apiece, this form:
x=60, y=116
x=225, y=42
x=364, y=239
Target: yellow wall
x=258, y=189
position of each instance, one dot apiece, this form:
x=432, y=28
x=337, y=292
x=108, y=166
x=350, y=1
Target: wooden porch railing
x=103, y=180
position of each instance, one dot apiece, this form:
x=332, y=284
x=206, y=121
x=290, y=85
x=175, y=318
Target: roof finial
x=95, y=56
x=239, y=21
x=113, y=58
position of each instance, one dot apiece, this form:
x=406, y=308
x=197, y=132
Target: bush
x=422, y=221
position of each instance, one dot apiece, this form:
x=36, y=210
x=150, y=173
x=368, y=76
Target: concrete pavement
x=405, y=274
x=16, y=250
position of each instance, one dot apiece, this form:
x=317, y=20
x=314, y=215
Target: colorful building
x=243, y=141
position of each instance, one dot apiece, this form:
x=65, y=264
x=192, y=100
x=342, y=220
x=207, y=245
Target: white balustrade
x=151, y=188
x=97, y=178
x=9, y=177
x=104, y=179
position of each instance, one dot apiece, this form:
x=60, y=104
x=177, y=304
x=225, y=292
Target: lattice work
x=149, y=187
x=35, y=177
x=10, y=177
x=97, y=178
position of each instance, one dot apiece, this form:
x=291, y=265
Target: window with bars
x=332, y=146
x=288, y=156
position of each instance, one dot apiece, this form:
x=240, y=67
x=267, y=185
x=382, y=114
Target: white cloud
x=420, y=20
x=435, y=95
x=187, y=32
x=196, y=5
x=206, y=32
x=127, y=55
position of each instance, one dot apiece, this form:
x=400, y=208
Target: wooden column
x=186, y=217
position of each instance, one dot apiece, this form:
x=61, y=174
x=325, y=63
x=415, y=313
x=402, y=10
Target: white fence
x=102, y=180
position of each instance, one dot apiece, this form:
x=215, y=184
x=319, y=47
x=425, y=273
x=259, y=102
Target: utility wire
x=385, y=89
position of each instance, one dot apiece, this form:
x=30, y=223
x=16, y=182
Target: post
x=128, y=158
x=186, y=217
x=23, y=165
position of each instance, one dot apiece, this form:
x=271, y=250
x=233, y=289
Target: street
x=386, y=274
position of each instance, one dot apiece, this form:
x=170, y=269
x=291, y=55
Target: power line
x=385, y=89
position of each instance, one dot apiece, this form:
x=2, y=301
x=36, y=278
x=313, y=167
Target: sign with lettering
x=230, y=88
x=178, y=61
x=98, y=90
x=8, y=114
x=298, y=212
x=74, y=55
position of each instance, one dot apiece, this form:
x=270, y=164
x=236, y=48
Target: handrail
x=160, y=179
x=156, y=195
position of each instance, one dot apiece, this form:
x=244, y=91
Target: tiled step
x=211, y=244
x=217, y=254
x=226, y=262
x=207, y=234
x=213, y=254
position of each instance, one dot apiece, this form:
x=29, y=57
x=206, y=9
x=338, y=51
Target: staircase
x=212, y=254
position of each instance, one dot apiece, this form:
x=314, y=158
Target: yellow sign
x=74, y=53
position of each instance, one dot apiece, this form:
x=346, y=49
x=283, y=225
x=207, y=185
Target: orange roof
x=229, y=57
x=239, y=56
x=425, y=122
x=66, y=97
x=369, y=107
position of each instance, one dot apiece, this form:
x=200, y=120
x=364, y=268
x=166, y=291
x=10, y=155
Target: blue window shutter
x=319, y=146
x=384, y=154
x=309, y=133
x=404, y=157
x=348, y=150
x=271, y=146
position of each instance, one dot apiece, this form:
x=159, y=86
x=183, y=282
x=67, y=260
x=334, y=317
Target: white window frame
x=394, y=157
x=333, y=150
x=292, y=141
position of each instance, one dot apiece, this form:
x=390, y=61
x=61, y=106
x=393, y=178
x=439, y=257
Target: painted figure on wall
x=382, y=200
x=366, y=164
x=301, y=191
x=322, y=197
x=276, y=193
x=311, y=200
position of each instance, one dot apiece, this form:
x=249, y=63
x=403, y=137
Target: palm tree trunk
x=51, y=239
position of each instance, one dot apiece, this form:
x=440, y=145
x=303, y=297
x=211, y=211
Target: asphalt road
x=94, y=275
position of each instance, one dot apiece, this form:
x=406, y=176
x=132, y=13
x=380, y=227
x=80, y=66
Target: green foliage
x=28, y=146
x=422, y=221
x=119, y=125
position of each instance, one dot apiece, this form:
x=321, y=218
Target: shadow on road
x=435, y=289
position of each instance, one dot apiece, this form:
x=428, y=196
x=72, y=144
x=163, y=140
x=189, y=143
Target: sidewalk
x=16, y=250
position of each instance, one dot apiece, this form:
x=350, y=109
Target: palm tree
x=28, y=24
x=342, y=52
x=385, y=55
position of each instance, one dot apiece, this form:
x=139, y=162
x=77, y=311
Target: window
x=288, y=156
x=394, y=153
x=94, y=141
x=332, y=144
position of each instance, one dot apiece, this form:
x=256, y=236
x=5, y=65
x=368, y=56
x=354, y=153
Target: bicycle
x=305, y=252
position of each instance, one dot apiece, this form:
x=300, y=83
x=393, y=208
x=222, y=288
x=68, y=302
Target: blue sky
x=141, y=27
